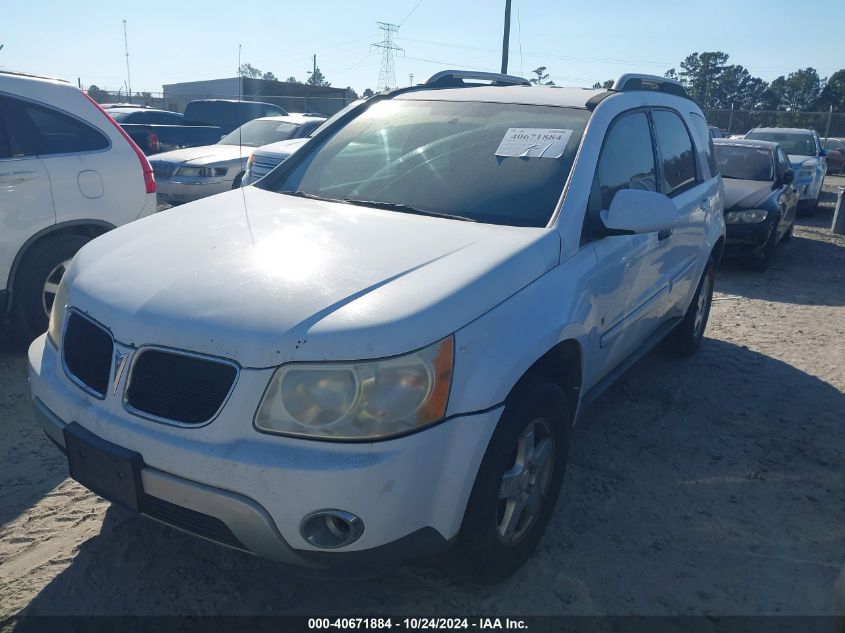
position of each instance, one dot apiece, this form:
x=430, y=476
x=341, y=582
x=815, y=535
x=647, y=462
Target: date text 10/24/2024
x=417, y=623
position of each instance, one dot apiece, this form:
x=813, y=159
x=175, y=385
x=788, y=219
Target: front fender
x=493, y=352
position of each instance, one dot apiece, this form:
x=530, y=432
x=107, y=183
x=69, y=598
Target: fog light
x=330, y=529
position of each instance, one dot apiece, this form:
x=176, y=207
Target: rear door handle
x=665, y=233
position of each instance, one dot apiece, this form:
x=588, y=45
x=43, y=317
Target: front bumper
x=748, y=239
x=410, y=492
x=181, y=190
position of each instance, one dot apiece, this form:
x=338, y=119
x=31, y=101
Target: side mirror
x=635, y=211
x=822, y=152
x=788, y=177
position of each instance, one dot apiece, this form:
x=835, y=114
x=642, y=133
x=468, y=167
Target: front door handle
x=664, y=234
x=13, y=178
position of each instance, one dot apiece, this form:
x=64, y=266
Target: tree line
x=715, y=84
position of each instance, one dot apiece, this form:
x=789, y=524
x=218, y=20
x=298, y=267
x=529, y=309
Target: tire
x=809, y=209
x=763, y=261
x=487, y=549
x=43, y=262
x=686, y=338
x=236, y=183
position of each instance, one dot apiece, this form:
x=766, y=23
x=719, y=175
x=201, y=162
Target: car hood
x=745, y=194
x=797, y=160
x=281, y=148
x=264, y=278
x=205, y=155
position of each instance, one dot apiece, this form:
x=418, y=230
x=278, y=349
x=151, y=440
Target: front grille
x=87, y=350
x=263, y=165
x=179, y=387
x=191, y=521
x=163, y=168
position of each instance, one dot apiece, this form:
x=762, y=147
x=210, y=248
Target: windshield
x=119, y=116
x=336, y=116
x=257, y=133
x=792, y=143
x=474, y=160
x=744, y=163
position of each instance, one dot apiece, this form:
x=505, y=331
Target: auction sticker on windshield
x=534, y=142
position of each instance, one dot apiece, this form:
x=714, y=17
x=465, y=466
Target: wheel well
x=718, y=249
x=562, y=364
x=84, y=229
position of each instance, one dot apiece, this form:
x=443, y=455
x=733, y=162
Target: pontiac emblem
x=119, y=366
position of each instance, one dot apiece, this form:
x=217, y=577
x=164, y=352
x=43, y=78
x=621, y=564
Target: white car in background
x=68, y=173
x=806, y=156
x=266, y=158
x=192, y=173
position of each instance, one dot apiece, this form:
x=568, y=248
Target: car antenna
x=240, y=143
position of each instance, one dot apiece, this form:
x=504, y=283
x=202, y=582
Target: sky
x=579, y=42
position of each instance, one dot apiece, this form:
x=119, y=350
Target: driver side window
x=626, y=161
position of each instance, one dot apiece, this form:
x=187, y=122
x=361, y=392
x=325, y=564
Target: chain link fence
x=741, y=121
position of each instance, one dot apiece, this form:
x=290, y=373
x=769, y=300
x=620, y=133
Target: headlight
x=201, y=172
x=57, y=313
x=806, y=173
x=752, y=216
x=359, y=401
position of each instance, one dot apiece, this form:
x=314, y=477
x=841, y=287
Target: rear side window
x=704, y=140
x=44, y=131
x=676, y=153
x=626, y=162
x=219, y=113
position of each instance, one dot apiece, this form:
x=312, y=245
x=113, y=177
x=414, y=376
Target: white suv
x=379, y=350
x=68, y=173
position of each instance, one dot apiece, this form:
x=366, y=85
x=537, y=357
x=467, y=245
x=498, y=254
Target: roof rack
x=20, y=74
x=634, y=81
x=456, y=77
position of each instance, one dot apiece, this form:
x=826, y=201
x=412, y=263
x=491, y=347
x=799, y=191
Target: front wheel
x=686, y=338
x=517, y=483
x=37, y=281
x=763, y=261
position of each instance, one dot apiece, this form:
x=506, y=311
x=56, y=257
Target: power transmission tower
x=386, y=73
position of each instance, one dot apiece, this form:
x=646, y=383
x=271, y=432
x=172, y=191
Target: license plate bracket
x=113, y=472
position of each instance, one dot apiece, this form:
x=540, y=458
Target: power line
x=411, y=13
x=387, y=73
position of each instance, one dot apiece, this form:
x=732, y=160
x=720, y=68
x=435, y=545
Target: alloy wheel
x=51, y=286
x=703, y=304
x=524, y=486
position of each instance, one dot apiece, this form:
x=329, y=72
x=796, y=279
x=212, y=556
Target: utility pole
x=386, y=73
x=314, y=72
x=506, y=38
x=410, y=79
x=126, y=48
x=829, y=117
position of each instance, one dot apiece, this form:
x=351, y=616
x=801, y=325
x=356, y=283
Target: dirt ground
x=708, y=486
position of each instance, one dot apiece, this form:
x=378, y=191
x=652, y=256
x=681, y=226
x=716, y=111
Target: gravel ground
x=712, y=485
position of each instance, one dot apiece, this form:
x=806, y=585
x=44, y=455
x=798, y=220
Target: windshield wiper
x=407, y=208
x=310, y=196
